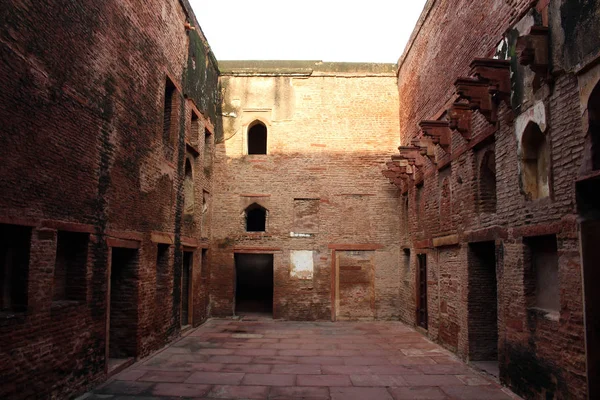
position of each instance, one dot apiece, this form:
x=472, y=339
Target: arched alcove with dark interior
x=535, y=163
x=256, y=218
x=188, y=189
x=257, y=138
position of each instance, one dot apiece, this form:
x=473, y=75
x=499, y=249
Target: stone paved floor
x=265, y=359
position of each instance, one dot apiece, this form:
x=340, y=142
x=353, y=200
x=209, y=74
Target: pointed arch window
x=257, y=138
x=535, y=163
x=256, y=218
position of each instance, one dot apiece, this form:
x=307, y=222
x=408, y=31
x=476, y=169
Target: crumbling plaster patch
x=535, y=114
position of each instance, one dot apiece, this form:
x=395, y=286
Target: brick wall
x=82, y=151
x=454, y=214
x=330, y=128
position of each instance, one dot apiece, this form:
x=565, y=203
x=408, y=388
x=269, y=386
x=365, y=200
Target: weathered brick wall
x=450, y=215
x=328, y=134
x=447, y=38
x=82, y=150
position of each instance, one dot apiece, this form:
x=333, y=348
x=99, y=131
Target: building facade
x=146, y=187
x=303, y=147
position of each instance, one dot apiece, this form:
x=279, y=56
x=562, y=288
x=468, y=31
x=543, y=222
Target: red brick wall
x=451, y=215
x=445, y=43
x=81, y=105
x=328, y=135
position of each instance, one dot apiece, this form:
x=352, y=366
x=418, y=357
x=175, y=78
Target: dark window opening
x=256, y=218
x=70, y=268
x=188, y=188
x=123, y=294
x=487, y=183
x=541, y=261
x=186, y=287
x=207, y=152
x=195, y=128
x=15, y=242
x=406, y=260
x=168, y=109
x=483, y=302
x=535, y=163
x=406, y=267
x=594, y=126
x=257, y=138
x=254, y=283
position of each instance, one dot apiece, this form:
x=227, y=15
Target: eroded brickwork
x=126, y=157
x=84, y=153
x=491, y=187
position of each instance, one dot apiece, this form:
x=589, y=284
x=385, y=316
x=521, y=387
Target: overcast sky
x=328, y=30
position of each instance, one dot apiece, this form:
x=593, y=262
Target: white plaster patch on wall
x=535, y=114
x=301, y=264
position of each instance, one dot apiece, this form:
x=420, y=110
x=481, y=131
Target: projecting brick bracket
x=426, y=147
x=439, y=132
x=532, y=51
x=412, y=156
x=477, y=93
x=459, y=115
x=489, y=85
x=497, y=74
x=398, y=173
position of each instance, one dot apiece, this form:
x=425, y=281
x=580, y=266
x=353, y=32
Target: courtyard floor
x=266, y=359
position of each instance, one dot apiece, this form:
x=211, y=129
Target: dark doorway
x=186, y=287
x=254, y=283
x=483, y=304
x=123, y=300
x=588, y=203
x=422, y=291
x=15, y=242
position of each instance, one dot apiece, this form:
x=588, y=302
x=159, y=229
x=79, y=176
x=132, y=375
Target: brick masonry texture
x=82, y=150
x=329, y=132
x=540, y=355
x=126, y=181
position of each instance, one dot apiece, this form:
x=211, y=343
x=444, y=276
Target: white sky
x=328, y=30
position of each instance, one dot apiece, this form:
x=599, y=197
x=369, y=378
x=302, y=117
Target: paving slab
x=266, y=359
